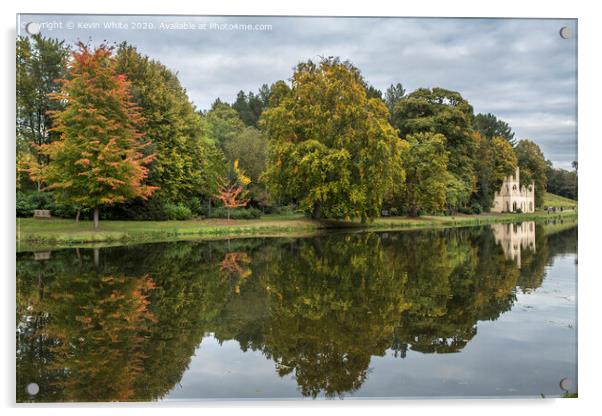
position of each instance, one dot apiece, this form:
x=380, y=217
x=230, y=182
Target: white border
x=590, y=138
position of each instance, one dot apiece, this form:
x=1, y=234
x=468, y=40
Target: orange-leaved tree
x=101, y=155
x=232, y=189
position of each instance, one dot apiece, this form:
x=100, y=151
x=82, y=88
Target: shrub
x=177, y=211
x=27, y=202
x=235, y=214
x=476, y=207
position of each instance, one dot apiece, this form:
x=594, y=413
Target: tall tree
x=393, y=95
x=495, y=161
x=188, y=162
x=40, y=63
x=532, y=166
x=425, y=165
x=99, y=158
x=331, y=148
x=490, y=126
x=445, y=112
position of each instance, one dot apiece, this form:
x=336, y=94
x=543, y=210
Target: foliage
x=331, y=148
x=98, y=159
x=393, y=95
x=177, y=211
x=41, y=62
x=561, y=182
x=222, y=123
x=488, y=125
x=235, y=213
x=532, y=168
x=250, y=106
x=232, y=190
x=438, y=110
x=187, y=162
x=27, y=202
x=495, y=161
x=425, y=165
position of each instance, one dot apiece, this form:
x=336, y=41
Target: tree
x=40, y=63
x=445, y=112
x=425, y=165
x=188, y=161
x=495, y=161
x=532, y=166
x=393, y=95
x=98, y=159
x=232, y=190
x=490, y=126
x=561, y=181
x=331, y=148
x=249, y=148
x=223, y=123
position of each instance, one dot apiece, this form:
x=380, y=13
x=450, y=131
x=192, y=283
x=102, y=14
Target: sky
x=521, y=70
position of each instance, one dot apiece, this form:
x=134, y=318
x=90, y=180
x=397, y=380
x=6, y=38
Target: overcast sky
x=521, y=70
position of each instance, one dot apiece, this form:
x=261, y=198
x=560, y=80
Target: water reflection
x=123, y=323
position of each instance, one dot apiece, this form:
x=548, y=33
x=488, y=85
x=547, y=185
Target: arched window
x=514, y=188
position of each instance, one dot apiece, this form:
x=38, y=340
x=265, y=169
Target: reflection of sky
x=527, y=351
x=518, y=69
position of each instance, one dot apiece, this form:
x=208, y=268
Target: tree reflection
x=126, y=326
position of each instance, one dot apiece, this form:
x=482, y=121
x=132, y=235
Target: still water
x=481, y=311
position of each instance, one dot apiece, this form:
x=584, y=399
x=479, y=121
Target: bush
x=177, y=211
x=27, y=202
x=195, y=206
x=235, y=214
x=476, y=207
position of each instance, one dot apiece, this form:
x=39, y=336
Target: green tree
x=561, y=181
x=41, y=62
x=331, y=148
x=425, y=165
x=187, y=162
x=98, y=159
x=222, y=123
x=532, y=166
x=393, y=95
x=445, y=112
x=495, y=161
x=490, y=126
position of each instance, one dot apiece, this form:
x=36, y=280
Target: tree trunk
x=228, y=209
x=317, y=213
x=96, y=218
x=77, y=216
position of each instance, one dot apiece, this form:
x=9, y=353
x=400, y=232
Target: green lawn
x=44, y=233
x=551, y=200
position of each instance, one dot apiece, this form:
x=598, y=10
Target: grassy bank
x=53, y=233
x=551, y=200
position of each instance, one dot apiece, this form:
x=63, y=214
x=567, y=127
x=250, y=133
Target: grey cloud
x=519, y=69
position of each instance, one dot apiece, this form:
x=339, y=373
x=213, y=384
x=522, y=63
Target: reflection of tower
x=514, y=237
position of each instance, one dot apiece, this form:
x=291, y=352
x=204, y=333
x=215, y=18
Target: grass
x=33, y=234
x=552, y=200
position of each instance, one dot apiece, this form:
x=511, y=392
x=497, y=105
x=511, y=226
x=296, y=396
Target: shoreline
x=42, y=234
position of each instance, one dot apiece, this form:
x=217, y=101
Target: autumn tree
x=98, y=159
x=425, y=165
x=495, y=161
x=533, y=167
x=232, y=189
x=331, y=148
x=446, y=112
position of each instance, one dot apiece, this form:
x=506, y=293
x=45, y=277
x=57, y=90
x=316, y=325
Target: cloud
x=519, y=69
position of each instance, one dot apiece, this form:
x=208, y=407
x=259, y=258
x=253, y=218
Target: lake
x=470, y=312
